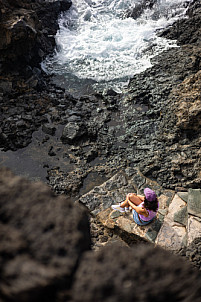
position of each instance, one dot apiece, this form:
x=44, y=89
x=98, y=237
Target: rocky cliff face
x=27, y=30
x=171, y=90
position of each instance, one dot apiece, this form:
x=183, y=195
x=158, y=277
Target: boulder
x=72, y=131
x=194, y=204
x=142, y=273
x=194, y=228
x=173, y=233
x=181, y=216
x=43, y=238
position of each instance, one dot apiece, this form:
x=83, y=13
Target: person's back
x=151, y=213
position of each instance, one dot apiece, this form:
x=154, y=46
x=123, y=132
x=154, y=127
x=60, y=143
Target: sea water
x=99, y=47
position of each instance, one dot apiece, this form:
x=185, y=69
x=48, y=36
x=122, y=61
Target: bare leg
x=125, y=203
x=136, y=200
x=133, y=198
x=122, y=205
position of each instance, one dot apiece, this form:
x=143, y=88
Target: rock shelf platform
x=178, y=221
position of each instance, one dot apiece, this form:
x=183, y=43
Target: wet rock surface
x=139, y=8
x=27, y=30
x=186, y=31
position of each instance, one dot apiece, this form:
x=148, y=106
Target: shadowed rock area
x=27, y=30
x=141, y=274
x=42, y=240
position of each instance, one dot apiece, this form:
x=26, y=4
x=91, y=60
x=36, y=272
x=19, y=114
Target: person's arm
x=139, y=210
x=141, y=197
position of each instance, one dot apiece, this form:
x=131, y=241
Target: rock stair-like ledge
x=178, y=221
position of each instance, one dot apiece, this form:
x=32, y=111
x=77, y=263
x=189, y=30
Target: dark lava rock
x=48, y=129
x=186, y=31
x=42, y=240
x=140, y=7
x=111, y=92
x=72, y=132
x=155, y=125
x=142, y=273
x=193, y=252
x=27, y=30
x=170, y=90
x=51, y=151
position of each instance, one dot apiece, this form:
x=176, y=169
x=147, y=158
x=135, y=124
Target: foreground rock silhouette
x=42, y=239
x=45, y=255
x=143, y=273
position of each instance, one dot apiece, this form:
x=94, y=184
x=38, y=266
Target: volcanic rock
x=26, y=28
x=43, y=238
x=72, y=131
x=116, y=274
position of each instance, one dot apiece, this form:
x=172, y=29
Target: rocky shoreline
x=27, y=29
x=154, y=125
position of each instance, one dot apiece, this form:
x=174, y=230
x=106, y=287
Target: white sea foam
x=96, y=42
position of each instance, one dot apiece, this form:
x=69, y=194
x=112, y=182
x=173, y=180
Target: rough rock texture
x=113, y=191
x=186, y=31
x=172, y=234
x=186, y=98
x=194, y=204
x=143, y=127
x=138, y=274
x=153, y=125
x=27, y=30
x=178, y=159
x=103, y=236
x=42, y=240
x=193, y=252
x=194, y=228
x=72, y=132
